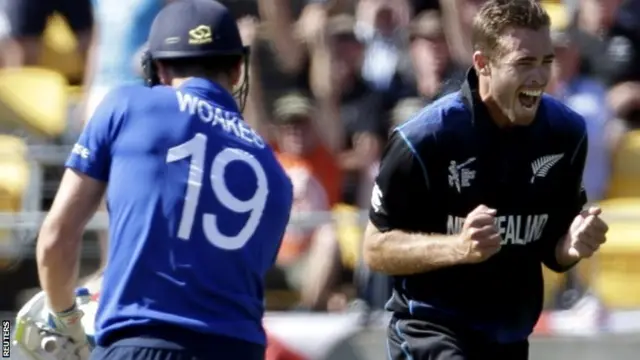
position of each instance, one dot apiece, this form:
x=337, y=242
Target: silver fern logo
x=376, y=198
x=543, y=164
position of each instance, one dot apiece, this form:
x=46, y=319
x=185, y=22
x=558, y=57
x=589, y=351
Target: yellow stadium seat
x=14, y=178
x=75, y=94
x=617, y=278
x=625, y=179
x=35, y=99
x=281, y=300
x=60, y=50
x=349, y=232
x=558, y=12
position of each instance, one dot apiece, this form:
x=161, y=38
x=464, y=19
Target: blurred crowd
x=329, y=80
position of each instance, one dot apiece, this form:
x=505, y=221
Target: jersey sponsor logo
x=460, y=176
x=514, y=229
x=228, y=121
x=81, y=151
x=542, y=165
x=376, y=198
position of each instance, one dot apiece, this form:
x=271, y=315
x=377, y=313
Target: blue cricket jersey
x=451, y=158
x=198, y=205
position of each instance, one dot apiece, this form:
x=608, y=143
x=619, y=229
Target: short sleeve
x=574, y=203
x=620, y=59
x=400, y=195
x=621, y=55
x=91, y=154
x=366, y=113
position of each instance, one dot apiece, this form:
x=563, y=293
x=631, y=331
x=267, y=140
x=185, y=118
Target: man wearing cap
x=307, y=260
x=297, y=141
x=197, y=203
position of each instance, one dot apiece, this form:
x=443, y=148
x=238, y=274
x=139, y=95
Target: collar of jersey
x=480, y=115
x=211, y=91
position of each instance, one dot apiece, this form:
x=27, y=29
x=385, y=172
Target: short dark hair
x=496, y=16
x=203, y=66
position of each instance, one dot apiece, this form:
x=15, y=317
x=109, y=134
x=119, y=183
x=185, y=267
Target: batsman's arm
x=400, y=200
x=60, y=238
x=81, y=190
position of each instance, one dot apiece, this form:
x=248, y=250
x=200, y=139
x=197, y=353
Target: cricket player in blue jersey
x=197, y=203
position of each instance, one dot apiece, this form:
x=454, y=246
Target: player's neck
x=497, y=116
x=178, y=81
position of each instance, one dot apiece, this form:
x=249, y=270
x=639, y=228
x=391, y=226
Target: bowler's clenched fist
x=480, y=238
x=587, y=232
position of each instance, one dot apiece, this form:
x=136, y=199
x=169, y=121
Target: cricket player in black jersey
x=477, y=192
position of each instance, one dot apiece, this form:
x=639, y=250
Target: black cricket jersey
x=450, y=158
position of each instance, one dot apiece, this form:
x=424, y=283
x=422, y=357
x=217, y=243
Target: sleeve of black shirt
x=566, y=212
x=622, y=54
x=400, y=196
x=371, y=116
x=620, y=59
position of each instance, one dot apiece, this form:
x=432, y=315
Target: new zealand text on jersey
x=229, y=121
x=514, y=229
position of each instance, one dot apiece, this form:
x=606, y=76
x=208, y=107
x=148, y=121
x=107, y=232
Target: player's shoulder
x=127, y=92
x=445, y=114
x=118, y=101
x=140, y=102
x=137, y=95
x=562, y=118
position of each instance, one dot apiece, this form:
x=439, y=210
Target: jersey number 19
x=196, y=150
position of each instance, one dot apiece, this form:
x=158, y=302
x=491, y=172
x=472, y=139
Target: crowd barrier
x=351, y=337
x=345, y=337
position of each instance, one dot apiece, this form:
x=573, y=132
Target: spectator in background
x=608, y=37
x=26, y=21
x=588, y=98
x=309, y=258
x=281, y=59
x=436, y=73
x=607, y=33
x=457, y=16
x=362, y=110
x=309, y=196
x=299, y=143
x=624, y=99
x=381, y=27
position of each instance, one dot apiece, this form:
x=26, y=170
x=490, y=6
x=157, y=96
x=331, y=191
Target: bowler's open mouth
x=529, y=98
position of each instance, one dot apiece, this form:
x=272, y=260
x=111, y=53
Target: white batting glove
x=69, y=323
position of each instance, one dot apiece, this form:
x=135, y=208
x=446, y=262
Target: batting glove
x=69, y=323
